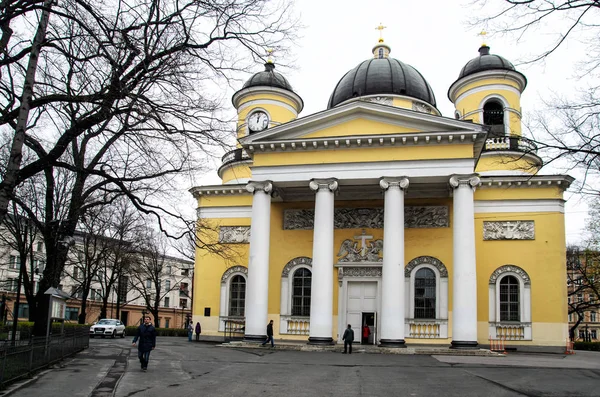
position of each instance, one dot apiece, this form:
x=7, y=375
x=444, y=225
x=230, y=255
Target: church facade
x=379, y=211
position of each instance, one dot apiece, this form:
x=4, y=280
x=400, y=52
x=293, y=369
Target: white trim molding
x=295, y=325
x=510, y=330
x=226, y=278
x=426, y=328
x=540, y=205
x=224, y=212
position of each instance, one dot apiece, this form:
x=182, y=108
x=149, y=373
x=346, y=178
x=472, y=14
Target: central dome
x=382, y=75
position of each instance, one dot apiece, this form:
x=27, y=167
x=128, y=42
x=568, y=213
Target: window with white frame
x=510, y=299
x=167, y=301
x=296, y=278
x=426, y=297
x=301, y=292
x=594, y=334
x=167, y=285
x=237, y=296
x=425, y=293
x=233, y=289
x=593, y=317
x=579, y=298
x=148, y=283
x=14, y=261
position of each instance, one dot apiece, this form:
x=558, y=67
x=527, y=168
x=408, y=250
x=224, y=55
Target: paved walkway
x=110, y=368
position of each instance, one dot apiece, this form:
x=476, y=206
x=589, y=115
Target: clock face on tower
x=258, y=121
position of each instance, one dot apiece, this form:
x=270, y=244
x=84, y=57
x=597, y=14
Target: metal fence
x=26, y=356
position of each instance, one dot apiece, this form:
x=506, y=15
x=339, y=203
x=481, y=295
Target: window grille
x=425, y=290
x=301, y=292
x=509, y=299
x=237, y=296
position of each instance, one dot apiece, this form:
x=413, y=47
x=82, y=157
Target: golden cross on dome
x=483, y=33
x=269, y=55
x=380, y=28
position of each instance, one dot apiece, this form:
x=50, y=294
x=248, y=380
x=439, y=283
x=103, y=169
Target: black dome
x=269, y=78
x=485, y=61
x=382, y=76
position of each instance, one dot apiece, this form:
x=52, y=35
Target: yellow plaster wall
x=364, y=154
x=544, y=261
x=233, y=172
x=499, y=161
x=518, y=193
x=360, y=126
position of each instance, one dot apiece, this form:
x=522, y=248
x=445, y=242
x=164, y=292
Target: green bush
x=590, y=346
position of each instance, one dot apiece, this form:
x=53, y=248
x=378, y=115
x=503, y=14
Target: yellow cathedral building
x=379, y=211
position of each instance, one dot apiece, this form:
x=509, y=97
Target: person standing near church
x=366, y=331
x=269, y=334
x=146, y=335
x=348, y=338
x=198, y=331
x=190, y=328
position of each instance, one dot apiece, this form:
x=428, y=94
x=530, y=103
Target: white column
x=464, y=300
x=257, y=287
x=321, y=300
x=392, y=274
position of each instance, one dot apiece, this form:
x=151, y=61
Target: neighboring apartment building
x=582, y=270
x=137, y=286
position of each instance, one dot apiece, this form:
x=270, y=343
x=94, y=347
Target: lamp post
x=586, y=336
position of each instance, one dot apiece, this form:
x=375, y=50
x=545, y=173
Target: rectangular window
x=14, y=261
x=23, y=310
x=169, y=269
x=183, y=303
x=593, y=317
x=11, y=285
x=40, y=246
x=71, y=313
x=167, y=322
x=76, y=273
x=579, y=298
x=148, y=283
x=581, y=334
x=570, y=317
x=167, y=285
x=185, y=272
x=594, y=334
x=167, y=301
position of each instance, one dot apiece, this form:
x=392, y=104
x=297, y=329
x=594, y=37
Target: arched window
x=509, y=299
x=493, y=113
x=381, y=53
x=237, y=296
x=510, y=303
x=425, y=293
x=301, y=292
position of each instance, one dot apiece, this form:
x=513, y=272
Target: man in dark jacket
x=348, y=339
x=146, y=334
x=269, y=334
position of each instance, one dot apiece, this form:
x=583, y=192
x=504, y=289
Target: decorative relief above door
x=369, y=218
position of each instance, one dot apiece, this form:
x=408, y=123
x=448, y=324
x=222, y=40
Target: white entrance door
x=362, y=297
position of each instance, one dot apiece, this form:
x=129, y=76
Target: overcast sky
x=434, y=37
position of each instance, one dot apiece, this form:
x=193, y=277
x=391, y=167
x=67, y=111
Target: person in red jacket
x=365, y=334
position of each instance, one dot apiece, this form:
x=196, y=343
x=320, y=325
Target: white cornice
x=219, y=190
x=491, y=87
x=515, y=76
x=292, y=96
x=516, y=181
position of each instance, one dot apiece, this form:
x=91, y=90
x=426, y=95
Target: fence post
x=3, y=366
x=30, y=366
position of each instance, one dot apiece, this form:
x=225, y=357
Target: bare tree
x=566, y=133
x=123, y=104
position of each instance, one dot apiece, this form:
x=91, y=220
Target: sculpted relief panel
x=509, y=230
x=369, y=218
x=234, y=234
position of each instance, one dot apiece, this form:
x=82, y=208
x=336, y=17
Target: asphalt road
x=179, y=368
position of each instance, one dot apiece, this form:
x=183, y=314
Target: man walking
x=348, y=339
x=269, y=334
x=146, y=334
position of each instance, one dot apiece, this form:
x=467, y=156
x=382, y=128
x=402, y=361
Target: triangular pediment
x=362, y=119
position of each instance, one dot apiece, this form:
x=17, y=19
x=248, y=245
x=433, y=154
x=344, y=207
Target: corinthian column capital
x=321, y=184
x=254, y=186
x=400, y=182
x=471, y=180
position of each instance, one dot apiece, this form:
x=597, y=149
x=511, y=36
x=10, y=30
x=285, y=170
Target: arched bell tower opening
x=493, y=115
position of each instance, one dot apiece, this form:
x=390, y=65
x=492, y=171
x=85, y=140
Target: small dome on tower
x=382, y=75
x=268, y=77
x=485, y=61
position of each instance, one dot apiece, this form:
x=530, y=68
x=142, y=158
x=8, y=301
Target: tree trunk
x=13, y=166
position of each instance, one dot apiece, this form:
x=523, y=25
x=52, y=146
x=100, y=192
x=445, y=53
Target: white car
x=108, y=327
